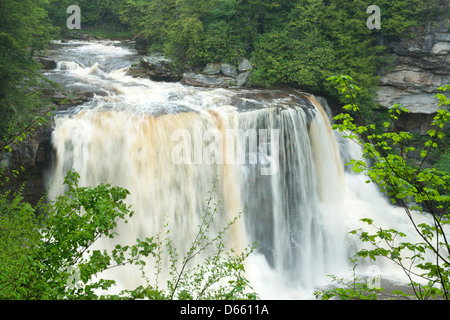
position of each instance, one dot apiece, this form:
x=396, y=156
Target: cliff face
x=420, y=65
x=33, y=155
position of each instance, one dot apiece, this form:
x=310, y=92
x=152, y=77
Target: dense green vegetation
x=24, y=28
x=294, y=42
x=51, y=255
x=413, y=187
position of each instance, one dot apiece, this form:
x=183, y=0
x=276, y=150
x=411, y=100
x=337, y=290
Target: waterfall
x=274, y=156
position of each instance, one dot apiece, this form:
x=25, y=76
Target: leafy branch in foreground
x=48, y=248
x=221, y=275
x=51, y=256
x=415, y=187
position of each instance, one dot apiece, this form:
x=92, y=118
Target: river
x=272, y=153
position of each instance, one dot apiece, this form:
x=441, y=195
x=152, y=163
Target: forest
x=303, y=44
x=294, y=43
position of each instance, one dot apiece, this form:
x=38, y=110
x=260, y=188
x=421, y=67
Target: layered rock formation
x=421, y=64
x=214, y=75
x=221, y=75
x=27, y=163
x=29, y=160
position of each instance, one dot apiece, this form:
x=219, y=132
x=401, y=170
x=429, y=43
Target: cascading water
x=273, y=153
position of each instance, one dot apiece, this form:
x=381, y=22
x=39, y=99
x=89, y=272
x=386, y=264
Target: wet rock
x=156, y=67
x=63, y=98
x=47, y=63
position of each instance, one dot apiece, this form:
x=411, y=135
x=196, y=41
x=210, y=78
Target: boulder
x=156, y=67
x=141, y=44
x=212, y=68
x=47, y=63
x=244, y=65
x=228, y=70
x=207, y=81
x=243, y=79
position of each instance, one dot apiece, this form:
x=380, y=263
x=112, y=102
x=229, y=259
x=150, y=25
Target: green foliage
x=50, y=256
x=59, y=240
x=23, y=30
x=318, y=39
x=18, y=233
x=92, y=12
x=414, y=188
x=185, y=37
x=444, y=162
x=357, y=289
x=297, y=42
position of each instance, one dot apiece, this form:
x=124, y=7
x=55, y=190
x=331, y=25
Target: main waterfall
x=272, y=153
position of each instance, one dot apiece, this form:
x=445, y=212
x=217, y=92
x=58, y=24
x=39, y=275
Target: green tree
x=93, y=13
x=24, y=29
x=50, y=255
x=298, y=43
x=413, y=187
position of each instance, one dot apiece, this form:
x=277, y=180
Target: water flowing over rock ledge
x=299, y=216
x=35, y=154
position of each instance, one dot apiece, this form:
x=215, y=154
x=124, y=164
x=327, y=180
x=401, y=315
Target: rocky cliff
x=421, y=63
x=30, y=159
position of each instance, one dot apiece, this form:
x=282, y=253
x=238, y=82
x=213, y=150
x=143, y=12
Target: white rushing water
x=166, y=143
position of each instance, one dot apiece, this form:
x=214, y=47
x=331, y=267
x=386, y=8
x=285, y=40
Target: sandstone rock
x=414, y=79
x=244, y=65
x=159, y=68
x=207, y=81
x=441, y=48
x=212, y=68
x=415, y=102
x=421, y=65
x=243, y=79
x=228, y=70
